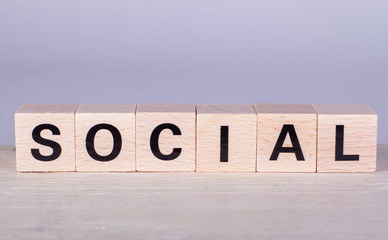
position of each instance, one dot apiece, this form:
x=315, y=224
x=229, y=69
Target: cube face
x=347, y=138
x=286, y=138
x=52, y=125
x=165, y=137
x=226, y=138
x=105, y=137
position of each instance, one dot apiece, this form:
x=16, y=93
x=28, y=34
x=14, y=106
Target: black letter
x=54, y=145
x=154, y=142
x=287, y=128
x=224, y=143
x=117, y=142
x=339, y=146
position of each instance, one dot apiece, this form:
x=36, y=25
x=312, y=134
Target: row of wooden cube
x=202, y=138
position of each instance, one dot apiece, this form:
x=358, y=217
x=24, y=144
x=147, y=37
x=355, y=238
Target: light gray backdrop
x=197, y=51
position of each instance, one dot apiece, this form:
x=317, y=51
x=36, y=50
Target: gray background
x=202, y=51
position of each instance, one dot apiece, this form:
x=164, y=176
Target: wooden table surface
x=193, y=205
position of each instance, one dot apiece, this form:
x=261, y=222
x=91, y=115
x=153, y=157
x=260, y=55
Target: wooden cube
x=45, y=137
x=347, y=138
x=165, y=137
x=286, y=138
x=226, y=138
x=105, y=137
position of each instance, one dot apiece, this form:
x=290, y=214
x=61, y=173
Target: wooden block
x=165, y=137
x=226, y=138
x=105, y=137
x=44, y=136
x=347, y=138
x=286, y=138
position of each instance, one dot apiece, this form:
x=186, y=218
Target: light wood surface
x=162, y=108
x=360, y=137
x=46, y=108
x=280, y=108
x=27, y=118
x=96, y=206
x=148, y=118
x=241, y=121
x=120, y=116
x=225, y=109
x=271, y=119
x=346, y=109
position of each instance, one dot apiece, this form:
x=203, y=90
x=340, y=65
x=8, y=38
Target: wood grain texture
x=360, y=137
x=148, y=117
x=122, y=117
x=277, y=108
x=241, y=121
x=162, y=108
x=96, y=206
x=271, y=119
x=28, y=117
